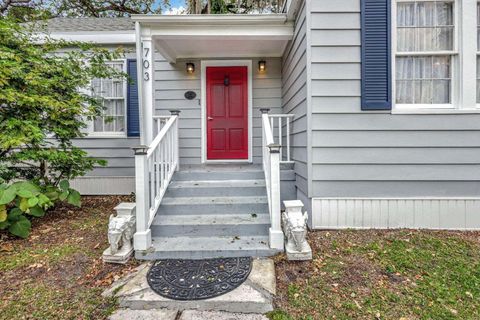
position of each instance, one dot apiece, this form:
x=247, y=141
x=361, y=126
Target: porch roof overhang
x=216, y=36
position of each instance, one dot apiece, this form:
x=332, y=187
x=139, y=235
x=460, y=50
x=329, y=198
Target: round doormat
x=198, y=279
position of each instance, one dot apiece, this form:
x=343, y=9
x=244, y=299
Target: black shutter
x=133, y=117
x=376, y=55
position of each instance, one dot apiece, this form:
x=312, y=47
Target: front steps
x=211, y=212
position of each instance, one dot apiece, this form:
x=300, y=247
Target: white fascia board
x=291, y=8
x=99, y=37
x=211, y=19
x=228, y=32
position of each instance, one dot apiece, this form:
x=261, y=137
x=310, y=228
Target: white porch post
x=142, y=240
x=275, y=233
x=176, y=151
x=147, y=75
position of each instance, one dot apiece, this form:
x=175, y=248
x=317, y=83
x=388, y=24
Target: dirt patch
x=63, y=257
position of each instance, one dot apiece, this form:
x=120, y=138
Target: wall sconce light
x=190, y=68
x=262, y=65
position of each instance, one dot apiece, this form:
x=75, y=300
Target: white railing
x=279, y=123
x=154, y=167
x=271, y=167
x=158, y=123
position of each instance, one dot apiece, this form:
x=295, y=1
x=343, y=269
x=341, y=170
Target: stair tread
x=213, y=200
x=222, y=168
x=217, y=183
x=213, y=243
x=212, y=219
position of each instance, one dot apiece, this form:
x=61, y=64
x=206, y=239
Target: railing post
x=276, y=237
x=176, y=140
x=264, y=111
x=142, y=240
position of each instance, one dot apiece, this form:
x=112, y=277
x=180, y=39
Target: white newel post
x=176, y=141
x=142, y=240
x=275, y=234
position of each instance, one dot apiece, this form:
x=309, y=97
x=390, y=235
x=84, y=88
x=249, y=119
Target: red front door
x=227, y=113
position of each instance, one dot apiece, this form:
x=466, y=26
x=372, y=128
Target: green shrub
x=22, y=199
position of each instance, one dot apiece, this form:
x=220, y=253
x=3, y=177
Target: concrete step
x=207, y=225
x=254, y=296
x=213, y=205
x=207, y=247
x=196, y=175
x=203, y=188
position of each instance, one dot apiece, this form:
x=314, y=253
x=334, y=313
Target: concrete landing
x=254, y=296
x=165, y=314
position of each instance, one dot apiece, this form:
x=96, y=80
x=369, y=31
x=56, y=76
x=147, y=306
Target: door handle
x=209, y=118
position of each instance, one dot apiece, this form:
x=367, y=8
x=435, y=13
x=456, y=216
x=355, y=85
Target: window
x=425, y=53
x=113, y=93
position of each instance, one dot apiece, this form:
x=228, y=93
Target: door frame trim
x=203, y=99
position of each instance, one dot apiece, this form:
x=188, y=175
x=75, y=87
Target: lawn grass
x=57, y=273
x=383, y=275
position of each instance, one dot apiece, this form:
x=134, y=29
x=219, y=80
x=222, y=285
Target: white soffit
x=217, y=36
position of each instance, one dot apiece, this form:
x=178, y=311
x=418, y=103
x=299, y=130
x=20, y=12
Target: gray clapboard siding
x=336, y=21
x=294, y=97
x=401, y=189
x=377, y=154
x=116, y=151
x=396, y=138
x=337, y=6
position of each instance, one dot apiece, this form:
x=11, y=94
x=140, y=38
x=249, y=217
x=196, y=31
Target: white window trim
x=112, y=134
x=226, y=63
x=463, y=70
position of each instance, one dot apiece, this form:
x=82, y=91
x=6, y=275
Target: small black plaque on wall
x=190, y=95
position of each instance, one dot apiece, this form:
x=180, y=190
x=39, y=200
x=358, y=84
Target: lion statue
x=120, y=233
x=295, y=228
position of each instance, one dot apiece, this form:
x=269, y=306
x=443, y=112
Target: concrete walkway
x=247, y=302
x=166, y=314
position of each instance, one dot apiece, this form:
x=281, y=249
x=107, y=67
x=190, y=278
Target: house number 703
x=146, y=65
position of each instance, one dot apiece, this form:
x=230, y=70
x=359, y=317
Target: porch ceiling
x=216, y=36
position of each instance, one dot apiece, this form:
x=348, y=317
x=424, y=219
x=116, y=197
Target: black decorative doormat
x=198, y=279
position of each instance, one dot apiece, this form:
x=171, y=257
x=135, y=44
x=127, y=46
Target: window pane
x=425, y=26
x=441, y=91
x=98, y=124
x=423, y=80
x=404, y=91
x=120, y=108
x=107, y=88
x=117, y=89
x=120, y=124
x=444, y=38
x=444, y=13
x=405, y=18
x=425, y=14
x=441, y=67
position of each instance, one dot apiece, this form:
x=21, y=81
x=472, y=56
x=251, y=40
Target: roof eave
x=97, y=37
x=212, y=19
